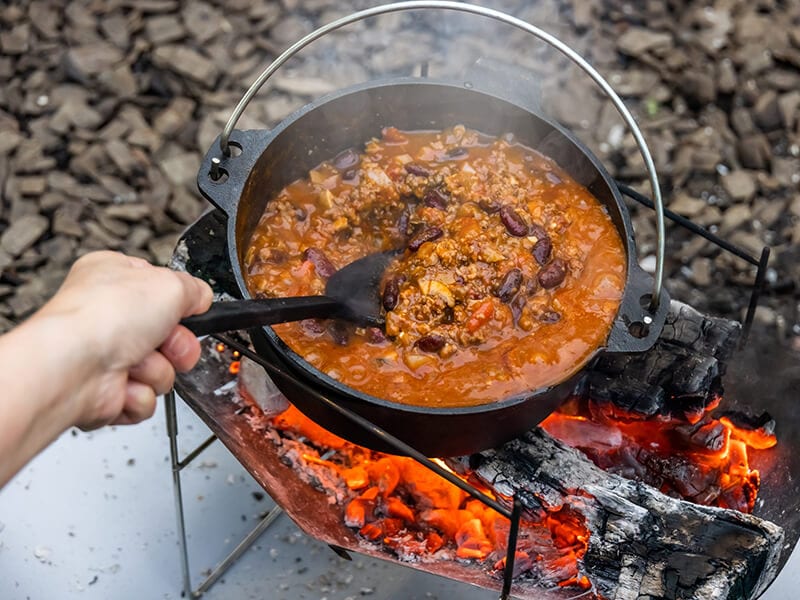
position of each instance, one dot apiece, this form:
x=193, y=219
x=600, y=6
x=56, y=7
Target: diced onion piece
x=415, y=361
x=433, y=287
x=426, y=153
x=317, y=176
x=403, y=159
x=326, y=198
x=379, y=176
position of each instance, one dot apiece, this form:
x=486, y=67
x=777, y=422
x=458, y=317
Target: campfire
x=396, y=504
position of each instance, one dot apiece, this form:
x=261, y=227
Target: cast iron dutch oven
x=266, y=161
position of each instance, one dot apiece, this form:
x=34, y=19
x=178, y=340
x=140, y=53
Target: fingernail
x=178, y=346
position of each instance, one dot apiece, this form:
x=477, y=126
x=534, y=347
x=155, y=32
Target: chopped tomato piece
x=480, y=316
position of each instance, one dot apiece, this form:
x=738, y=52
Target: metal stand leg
x=177, y=466
x=172, y=432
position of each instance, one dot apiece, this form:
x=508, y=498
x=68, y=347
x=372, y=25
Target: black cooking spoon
x=352, y=293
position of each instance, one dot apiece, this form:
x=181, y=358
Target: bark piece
x=164, y=29
x=740, y=185
x=754, y=152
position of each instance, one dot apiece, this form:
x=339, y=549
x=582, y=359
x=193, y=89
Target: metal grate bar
x=688, y=224
x=511, y=550
x=758, y=287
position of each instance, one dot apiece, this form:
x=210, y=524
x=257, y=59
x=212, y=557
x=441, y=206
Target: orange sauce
x=494, y=346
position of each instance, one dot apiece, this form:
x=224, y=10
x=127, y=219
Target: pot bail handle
x=224, y=140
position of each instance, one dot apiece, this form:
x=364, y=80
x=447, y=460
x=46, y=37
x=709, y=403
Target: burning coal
x=395, y=502
x=692, y=456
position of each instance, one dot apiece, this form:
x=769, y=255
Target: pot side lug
x=636, y=327
x=221, y=179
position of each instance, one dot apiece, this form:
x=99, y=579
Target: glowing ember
x=698, y=458
x=220, y=347
x=234, y=367
x=412, y=512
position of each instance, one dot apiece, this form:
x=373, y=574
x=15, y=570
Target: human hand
x=124, y=313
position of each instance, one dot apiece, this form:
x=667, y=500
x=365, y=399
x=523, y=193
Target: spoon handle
x=244, y=314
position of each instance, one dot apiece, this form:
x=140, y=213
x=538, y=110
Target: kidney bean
x=349, y=175
x=376, y=336
x=531, y=285
x=273, y=256
x=339, y=332
x=391, y=293
x=553, y=178
x=489, y=206
x=402, y=224
x=553, y=274
x=426, y=234
x=343, y=235
x=509, y=286
x=541, y=250
x=516, y=305
x=537, y=231
x=431, y=343
x=514, y=223
x=436, y=199
x=346, y=159
x=415, y=169
x=550, y=316
x=322, y=265
x=457, y=152
x=313, y=326
x=300, y=213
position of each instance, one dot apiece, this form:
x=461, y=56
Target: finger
x=140, y=404
x=155, y=371
x=181, y=348
x=197, y=295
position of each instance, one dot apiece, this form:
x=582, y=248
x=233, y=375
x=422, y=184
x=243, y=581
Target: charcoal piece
x=701, y=333
x=643, y=544
x=710, y=435
x=681, y=373
x=763, y=422
x=686, y=364
x=637, y=398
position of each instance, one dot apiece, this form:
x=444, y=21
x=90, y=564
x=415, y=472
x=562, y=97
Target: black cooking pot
x=263, y=162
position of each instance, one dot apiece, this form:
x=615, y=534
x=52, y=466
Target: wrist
x=40, y=380
x=59, y=361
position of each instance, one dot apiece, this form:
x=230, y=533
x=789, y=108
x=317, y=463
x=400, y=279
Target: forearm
x=40, y=369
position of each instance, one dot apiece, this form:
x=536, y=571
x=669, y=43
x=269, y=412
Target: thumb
x=197, y=295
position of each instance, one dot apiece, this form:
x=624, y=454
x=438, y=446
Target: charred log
x=643, y=544
x=680, y=375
